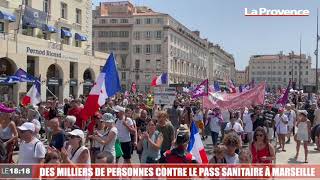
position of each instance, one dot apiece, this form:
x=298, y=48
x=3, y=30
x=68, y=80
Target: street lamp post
x=317, y=53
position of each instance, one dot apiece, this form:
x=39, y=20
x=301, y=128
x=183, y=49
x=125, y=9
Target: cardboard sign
x=164, y=95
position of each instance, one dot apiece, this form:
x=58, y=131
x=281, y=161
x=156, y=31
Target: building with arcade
x=51, y=39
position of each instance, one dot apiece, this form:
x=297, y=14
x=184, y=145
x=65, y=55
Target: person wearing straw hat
x=108, y=138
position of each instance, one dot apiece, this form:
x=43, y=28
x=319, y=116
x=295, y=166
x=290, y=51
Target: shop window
x=1, y=27
x=78, y=43
x=72, y=64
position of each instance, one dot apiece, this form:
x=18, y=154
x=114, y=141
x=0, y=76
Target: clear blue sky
x=223, y=22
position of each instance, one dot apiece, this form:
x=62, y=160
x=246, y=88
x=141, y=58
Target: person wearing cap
x=281, y=123
x=303, y=133
x=108, y=136
x=8, y=134
x=179, y=154
x=69, y=123
x=75, y=151
x=125, y=128
x=31, y=149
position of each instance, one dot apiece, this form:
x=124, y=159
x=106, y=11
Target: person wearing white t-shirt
x=215, y=125
x=281, y=121
x=226, y=118
x=31, y=150
x=291, y=120
x=248, y=125
x=125, y=127
x=233, y=125
x=108, y=139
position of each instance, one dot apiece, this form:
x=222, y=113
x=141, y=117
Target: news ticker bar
x=168, y=171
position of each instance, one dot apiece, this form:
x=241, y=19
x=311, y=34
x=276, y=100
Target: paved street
x=281, y=157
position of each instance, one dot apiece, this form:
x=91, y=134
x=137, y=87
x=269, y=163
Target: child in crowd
x=218, y=157
x=232, y=142
x=52, y=158
x=245, y=156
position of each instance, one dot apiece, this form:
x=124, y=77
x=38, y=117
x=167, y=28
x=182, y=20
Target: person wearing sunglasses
x=31, y=149
x=262, y=151
x=75, y=151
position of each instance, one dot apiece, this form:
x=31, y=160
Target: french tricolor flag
x=33, y=97
x=107, y=85
x=195, y=146
x=160, y=80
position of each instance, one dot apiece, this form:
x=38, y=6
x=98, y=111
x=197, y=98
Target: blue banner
x=34, y=18
x=19, y=76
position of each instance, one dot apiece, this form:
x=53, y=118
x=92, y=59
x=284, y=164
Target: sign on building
x=164, y=95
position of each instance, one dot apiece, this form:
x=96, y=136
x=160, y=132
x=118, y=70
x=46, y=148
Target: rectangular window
x=124, y=34
x=46, y=6
x=147, y=63
x=284, y=73
x=124, y=20
x=290, y=73
x=148, y=34
x=123, y=75
x=295, y=73
x=102, y=21
x=137, y=76
x=159, y=21
x=137, y=49
x=147, y=21
x=114, y=21
x=148, y=49
x=138, y=21
x=158, y=48
x=137, y=64
x=158, y=64
x=306, y=72
x=137, y=35
x=64, y=10
x=78, y=16
x=158, y=34
x=27, y=2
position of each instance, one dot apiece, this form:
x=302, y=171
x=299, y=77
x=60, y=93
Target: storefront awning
x=7, y=16
x=80, y=37
x=65, y=33
x=48, y=28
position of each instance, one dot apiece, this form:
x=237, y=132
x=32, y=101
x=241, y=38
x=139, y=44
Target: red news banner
x=176, y=171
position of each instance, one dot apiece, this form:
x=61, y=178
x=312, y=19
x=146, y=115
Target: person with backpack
x=31, y=149
x=150, y=143
x=179, y=154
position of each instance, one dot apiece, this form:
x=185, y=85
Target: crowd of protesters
x=54, y=132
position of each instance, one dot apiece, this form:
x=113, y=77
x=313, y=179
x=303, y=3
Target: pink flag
x=253, y=96
x=201, y=89
x=284, y=98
